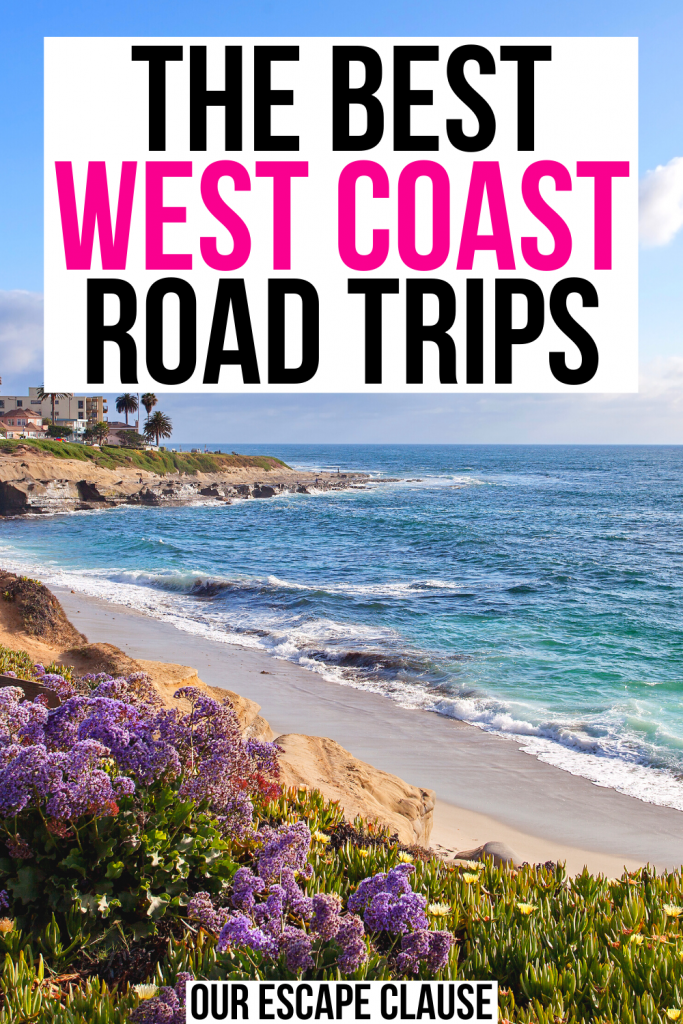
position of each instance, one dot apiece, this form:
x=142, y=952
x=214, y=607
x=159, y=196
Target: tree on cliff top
x=130, y=439
x=126, y=403
x=53, y=396
x=55, y=431
x=149, y=400
x=99, y=433
x=157, y=426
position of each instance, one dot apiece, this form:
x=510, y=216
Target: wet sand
x=486, y=787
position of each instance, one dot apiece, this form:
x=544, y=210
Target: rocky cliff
x=33, y=480
x=33, y=620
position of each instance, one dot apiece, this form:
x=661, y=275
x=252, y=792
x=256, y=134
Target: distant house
x=115, y=428
x=22, y=423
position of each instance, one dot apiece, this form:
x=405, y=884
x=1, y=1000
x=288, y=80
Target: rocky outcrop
x=500, y=853
x=32, y=618
x=93, y=658
x=88, y=491
x=30, y=608
x=361, y=789
x=168, y=678
x=13, y=497
x=34, y=481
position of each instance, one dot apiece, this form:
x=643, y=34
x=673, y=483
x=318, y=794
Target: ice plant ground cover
x=145, y=845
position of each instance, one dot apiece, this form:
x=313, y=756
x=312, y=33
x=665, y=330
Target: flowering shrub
x=166, y=1008
x=118, y=812
x=275, y=925
x=390, y=905
x=117, y=805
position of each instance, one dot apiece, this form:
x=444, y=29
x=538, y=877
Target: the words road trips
x=341, y=214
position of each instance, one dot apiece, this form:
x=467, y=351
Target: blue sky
x=653, y=416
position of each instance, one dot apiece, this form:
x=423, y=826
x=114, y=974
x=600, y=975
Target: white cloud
x=662, y=376
x=653, y=416
x=21, y=334
x=661, y=203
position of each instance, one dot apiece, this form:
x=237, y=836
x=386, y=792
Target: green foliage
x=32, y=993
x=20, y=663
x=112, y=457
x=158, y=426
x=563, y=950
x=572, y=958
x=100, y=431
x=131, y=439
x=124, y=872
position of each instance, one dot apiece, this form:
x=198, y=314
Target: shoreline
x=487, y=788
x=37, y=481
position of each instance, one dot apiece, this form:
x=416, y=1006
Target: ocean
x=535, y=592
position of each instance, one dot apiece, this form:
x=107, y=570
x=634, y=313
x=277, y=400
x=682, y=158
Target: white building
x=78, y=412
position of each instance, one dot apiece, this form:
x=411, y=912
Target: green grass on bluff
x=110, y=457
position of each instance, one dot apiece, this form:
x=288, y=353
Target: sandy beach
x=486, y=787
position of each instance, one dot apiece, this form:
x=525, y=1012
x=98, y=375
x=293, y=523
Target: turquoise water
x=536, y=592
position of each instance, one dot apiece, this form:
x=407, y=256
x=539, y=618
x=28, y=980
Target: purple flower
x=20, y=720
x=238, y=930
x=61, y=686
x=166, y=1008
x=53, y=759
x=265, y=759
x=19, y=848
x=439, y=947
x=414, y=948
x=424, y=947
x=367, y=889
x=4, y=899
x=244, y=885
x=286, y=898
x=397, y=880
x=270, y=915
x=297, y=902
x=389, y=903
x=326, y=920
x=201, y=909
x=296, y=946
x=136, y=689
x=284, y=847
x=349, y=938
x=66, y=785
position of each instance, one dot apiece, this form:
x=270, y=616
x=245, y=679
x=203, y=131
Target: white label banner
x=313, y=214
x=374, y=1001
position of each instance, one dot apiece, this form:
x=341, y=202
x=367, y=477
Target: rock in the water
x=501, y=853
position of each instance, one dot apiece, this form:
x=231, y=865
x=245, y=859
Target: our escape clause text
x=474, y=1001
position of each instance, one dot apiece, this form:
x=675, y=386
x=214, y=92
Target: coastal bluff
x=317, y=762
x=44, y=477
x=32, y=619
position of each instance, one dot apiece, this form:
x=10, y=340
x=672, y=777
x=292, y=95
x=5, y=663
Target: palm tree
x=158, y=425
x=126, y=403
x=53, y=395
x=149, y=400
